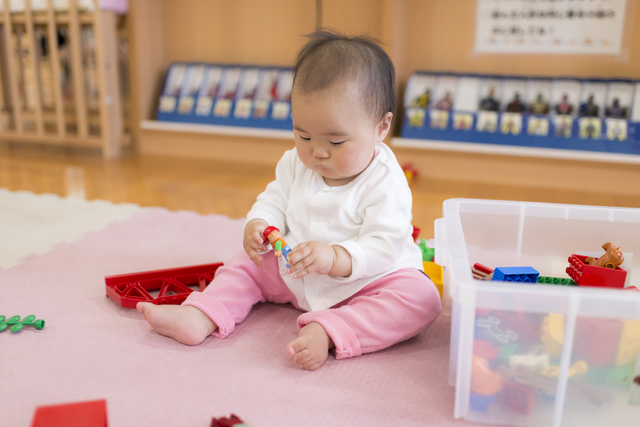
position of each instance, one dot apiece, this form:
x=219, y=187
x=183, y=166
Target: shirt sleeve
x=271, y=204
x=384, y=233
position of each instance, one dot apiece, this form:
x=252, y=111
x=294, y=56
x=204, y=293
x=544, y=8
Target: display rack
x=582, y=119
x=227, y=96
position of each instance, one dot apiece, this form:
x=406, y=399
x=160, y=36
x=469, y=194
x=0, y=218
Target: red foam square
x=82, y=414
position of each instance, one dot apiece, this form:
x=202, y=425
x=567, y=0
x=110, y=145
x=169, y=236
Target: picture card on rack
x=267, y=84
x=265, y=92
x=565, y=95
x=419, y=91
x=592, y=99
x=618, y=101
x=513, y=96
x=466, y=98
x=208, y=90
x=229, y=83
x=247, y=87
x=284, y=86
x=248, y=83
x=227, y=92
x=445, y=91
x=538, y=96
x=172, y=85
x=190, y=88
x=490, y=94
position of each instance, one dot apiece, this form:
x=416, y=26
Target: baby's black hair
x=330, y=57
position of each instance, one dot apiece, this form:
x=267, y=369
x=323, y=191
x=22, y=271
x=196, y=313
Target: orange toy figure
x=612, y=258
x=483, y=380
x=272, y=235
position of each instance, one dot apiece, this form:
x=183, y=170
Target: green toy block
x=620, y=376
x=546, y=280
x=16, y=324
x=427, y=253
x=506, y=351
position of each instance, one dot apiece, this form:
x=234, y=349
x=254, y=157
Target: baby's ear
x=384, y=125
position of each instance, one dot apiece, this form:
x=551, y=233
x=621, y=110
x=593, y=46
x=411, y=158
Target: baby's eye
x=305, y=139
x=336, y=143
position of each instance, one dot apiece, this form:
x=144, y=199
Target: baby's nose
x=320, y=153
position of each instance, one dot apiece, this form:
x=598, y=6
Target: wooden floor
x=207, y=187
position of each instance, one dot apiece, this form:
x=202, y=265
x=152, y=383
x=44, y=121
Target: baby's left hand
x=311, y=257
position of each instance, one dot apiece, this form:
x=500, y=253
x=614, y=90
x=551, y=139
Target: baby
x=342, y=202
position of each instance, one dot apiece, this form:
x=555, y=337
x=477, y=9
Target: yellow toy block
x=629, y=347
x=553, y=334
x=578, y=368
x=435, y=273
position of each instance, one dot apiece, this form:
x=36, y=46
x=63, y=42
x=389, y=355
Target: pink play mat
x=93, y=349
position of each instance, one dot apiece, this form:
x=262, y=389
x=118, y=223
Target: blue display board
x=229, y=95
x=563, y=113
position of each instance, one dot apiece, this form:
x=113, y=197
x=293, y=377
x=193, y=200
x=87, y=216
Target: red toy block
x=83, y=414
x=590, y=275
x=415, y=234
x=226, y=422
x=486, y=350
x=517, y=397
x=481, y=272
x=410, y=171
x=127, y=290
x=596, y=340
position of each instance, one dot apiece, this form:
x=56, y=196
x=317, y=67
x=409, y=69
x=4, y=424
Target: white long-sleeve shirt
x=370, y=217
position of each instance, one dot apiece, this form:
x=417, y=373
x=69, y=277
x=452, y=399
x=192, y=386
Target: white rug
x=33, y=224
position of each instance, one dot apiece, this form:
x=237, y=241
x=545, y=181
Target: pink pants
x=386, y=311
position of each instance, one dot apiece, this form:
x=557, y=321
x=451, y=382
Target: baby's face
x=335, y=136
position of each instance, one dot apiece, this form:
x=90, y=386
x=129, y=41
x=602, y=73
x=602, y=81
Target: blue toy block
x=516, y=274
x=479, y=402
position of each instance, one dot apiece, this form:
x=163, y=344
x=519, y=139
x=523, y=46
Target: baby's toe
x=302, y=355
x=311, y=365
x=296, y=346
x=302, y=361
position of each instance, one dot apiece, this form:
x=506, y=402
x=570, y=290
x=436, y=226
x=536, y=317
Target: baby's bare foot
x=311, y=348
x=183, y=323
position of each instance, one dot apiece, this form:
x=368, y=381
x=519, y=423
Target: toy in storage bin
x=534, y=354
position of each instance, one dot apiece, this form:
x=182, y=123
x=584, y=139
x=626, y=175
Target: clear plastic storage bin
x=535, y=354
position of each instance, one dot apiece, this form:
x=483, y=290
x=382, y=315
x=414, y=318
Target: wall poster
x=550, y=27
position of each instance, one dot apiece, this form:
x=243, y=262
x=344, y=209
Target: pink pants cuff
x=345, y=340
x=215, y=311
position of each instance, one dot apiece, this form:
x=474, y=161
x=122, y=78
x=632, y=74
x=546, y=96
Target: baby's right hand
x=253, y=239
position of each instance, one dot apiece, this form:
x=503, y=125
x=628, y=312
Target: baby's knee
x=429, y=298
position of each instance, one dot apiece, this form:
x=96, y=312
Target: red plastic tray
x=127, y=290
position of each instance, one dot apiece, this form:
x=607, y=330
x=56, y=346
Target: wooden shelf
x=225, y=143
x=216, y=129
x=513, y=150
